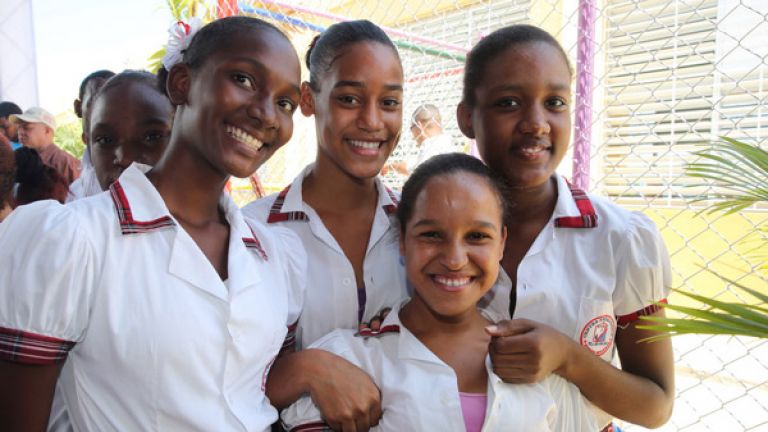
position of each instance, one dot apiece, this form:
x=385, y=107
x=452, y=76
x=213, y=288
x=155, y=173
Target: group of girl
x=169, y=309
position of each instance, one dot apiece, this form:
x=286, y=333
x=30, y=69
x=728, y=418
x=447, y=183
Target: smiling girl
x=343, y=213
x=581, y=264
x=168, y=306
x=430, y=358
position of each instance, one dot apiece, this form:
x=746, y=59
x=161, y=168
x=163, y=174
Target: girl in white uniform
x=452, y=238
x=168, y=306
x=580, y=264
x=341, y=211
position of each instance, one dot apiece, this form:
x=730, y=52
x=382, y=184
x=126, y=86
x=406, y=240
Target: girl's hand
x=525, y=351
x=375, y=325
x=346, y=396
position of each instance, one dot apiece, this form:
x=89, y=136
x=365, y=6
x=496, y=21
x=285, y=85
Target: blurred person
x=8, y=130
x=36, y=130
x=87, y=184
x=7, y=178
x=431, y=140
x=88, y=88
x=35, y=180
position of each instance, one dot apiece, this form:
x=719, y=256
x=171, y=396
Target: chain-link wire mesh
x=669, y=76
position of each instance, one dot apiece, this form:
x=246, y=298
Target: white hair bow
x=179, y=36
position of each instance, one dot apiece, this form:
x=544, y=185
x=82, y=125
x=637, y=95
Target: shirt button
x=346, y=281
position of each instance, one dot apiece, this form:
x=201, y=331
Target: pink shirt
x=473, y=409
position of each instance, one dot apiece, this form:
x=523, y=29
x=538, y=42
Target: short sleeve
x=294, y=263
x=643, y=274
x=574, y=411
x=46, y=274
x=303, y=414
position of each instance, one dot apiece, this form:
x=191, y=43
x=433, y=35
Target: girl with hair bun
x=343, y=214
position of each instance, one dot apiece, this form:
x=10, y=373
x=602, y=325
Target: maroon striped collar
x=587, y=217
x=129, y=225
x=388, y=201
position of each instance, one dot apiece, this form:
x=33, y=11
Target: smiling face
x=453, y=243
x=520, y=116
x=130, y=122
x=236, y=109
x=357, y=108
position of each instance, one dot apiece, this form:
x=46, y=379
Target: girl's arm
x=345, y=395
x=26, y=395
x=642, y=392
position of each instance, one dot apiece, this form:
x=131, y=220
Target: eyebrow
x=154, y=120
x=260, y=66
x=360, y=84
x=517, y=87
x=429, y=222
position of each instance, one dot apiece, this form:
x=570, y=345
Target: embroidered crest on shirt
x=598, y=334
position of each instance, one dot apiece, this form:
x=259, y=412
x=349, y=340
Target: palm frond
x=737, y=171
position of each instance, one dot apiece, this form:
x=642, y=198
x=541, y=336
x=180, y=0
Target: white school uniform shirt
x=87, y=184
x=419, y=392
x=155, y=339
x=594, y=267
x=332, y=300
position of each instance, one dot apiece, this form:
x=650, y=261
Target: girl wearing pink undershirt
x=430, y=357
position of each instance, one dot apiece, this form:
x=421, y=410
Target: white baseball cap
x=36, y=115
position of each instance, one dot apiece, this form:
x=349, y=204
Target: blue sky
x=76, y=37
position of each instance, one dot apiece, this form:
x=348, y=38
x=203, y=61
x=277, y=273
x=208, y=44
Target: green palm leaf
x=737, y=175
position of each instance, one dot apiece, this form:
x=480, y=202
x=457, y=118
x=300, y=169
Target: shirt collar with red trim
x=140, y=208
x=289, y=204
x=573, y=208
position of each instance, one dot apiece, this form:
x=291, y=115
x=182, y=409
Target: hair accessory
x=179, y=36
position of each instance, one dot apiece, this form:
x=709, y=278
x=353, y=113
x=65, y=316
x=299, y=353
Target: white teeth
x=533, y=150
x=454, y=282
x=368, y=145
x=244, y=137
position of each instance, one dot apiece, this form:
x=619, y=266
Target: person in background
x=431, y=140
x=9, y=131
x=36, y=181
x=36, y=130
x=7, y=179
x=129, y=121
x=87, y=184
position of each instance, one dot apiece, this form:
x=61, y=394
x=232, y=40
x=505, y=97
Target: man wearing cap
x=36, y=128
x=427, y=131
x=8, y=130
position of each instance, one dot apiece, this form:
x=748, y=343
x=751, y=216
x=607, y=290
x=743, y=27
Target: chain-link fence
x=667, y=77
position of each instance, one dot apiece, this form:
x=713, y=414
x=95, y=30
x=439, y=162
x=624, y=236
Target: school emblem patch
x=598, y=334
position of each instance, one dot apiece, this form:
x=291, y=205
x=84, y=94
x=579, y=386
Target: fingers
x=510, y=327
x=375, y=324
x=375, y=414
